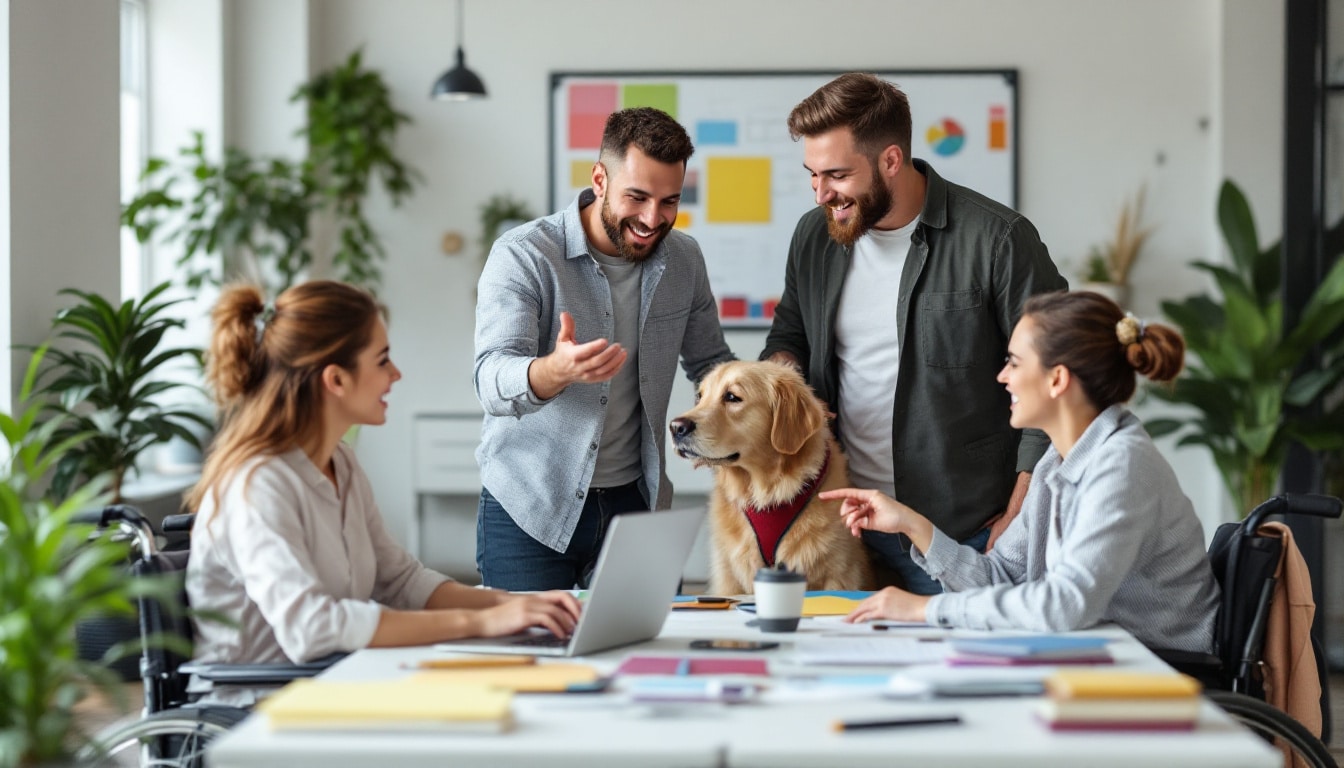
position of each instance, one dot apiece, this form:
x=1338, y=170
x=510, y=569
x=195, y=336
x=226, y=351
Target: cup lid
x=780, y=574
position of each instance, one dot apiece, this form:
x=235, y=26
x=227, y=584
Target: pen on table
x=859, y=725
x=472, y=663
x=684, y=667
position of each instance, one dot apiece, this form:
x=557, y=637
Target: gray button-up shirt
x=537, y=457
x=1105, y=535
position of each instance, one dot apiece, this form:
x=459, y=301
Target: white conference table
x=609, y=729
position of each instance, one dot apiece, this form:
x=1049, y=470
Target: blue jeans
x=508, y=558
x=893, y=551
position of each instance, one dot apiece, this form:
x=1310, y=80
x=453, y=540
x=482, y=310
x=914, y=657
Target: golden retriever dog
x=766, y=436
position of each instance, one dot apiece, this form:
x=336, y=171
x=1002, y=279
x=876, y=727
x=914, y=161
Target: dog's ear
x=797, y=417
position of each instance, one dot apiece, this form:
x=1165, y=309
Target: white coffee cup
x=779, y=598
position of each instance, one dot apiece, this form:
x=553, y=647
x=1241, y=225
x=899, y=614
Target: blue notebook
x=1053, y=647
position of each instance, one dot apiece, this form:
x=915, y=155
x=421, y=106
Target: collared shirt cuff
x=421, y=586
x=942, y=550
x=361, y=623
x=935, y=612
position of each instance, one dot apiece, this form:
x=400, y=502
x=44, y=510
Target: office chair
x=172, y=729
x=1244, y=562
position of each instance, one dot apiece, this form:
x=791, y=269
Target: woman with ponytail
x=1105, y=533
x=288, y=542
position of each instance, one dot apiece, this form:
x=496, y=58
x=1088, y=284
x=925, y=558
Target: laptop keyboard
x=542, y=641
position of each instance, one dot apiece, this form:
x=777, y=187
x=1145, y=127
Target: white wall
x=1112, y=95
x=63, y=148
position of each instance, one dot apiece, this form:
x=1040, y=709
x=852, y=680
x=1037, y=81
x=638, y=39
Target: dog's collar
x=772, y=522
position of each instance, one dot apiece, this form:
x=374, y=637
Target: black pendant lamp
x=458, y=83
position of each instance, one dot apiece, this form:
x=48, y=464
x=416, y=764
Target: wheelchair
x=1244, y=563
x=172, y=729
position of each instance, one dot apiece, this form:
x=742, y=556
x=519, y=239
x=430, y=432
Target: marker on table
x=684, y=667
x=901, y=722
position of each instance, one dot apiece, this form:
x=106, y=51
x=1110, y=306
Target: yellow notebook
x=535, y=678
x=1114, y=684
x=408, y=704
x=828, y=605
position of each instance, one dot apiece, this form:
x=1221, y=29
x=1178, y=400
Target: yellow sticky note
x=580, y=173
x=828, y=605
x=737, y=190
x=683, y=220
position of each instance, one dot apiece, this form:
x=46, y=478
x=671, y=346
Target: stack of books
x=411, y=704
x=1029, y=649
x=1113, y=700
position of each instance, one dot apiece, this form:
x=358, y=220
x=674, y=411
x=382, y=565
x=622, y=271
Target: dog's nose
x=681, y=426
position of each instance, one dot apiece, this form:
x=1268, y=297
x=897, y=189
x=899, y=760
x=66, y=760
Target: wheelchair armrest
x=258, y=674
x=1205, y=667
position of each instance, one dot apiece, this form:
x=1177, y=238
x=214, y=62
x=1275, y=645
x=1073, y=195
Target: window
x=134, y=137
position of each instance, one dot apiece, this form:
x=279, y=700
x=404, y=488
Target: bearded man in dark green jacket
x=900, y=295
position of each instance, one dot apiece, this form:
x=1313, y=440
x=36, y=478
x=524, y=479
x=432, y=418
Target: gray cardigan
x=1104, y=535
x=972, y=265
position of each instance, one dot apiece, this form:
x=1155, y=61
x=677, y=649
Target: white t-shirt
x=300, y=566
x=868, y=347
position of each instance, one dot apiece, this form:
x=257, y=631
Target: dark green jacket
x=972, y=264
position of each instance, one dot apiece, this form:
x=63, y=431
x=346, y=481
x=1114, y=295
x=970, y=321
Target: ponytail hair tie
x=262, y=319
x=1129, y=330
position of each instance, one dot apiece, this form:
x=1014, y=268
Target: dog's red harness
x=771, y=523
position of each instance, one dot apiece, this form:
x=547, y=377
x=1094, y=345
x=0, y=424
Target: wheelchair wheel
x=175, y=738
x=1274, y=724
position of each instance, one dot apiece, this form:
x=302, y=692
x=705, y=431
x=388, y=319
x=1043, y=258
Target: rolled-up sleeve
x=508, y=326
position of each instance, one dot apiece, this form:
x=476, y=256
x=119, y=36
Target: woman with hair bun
x=288, y=542
x=1105, y=533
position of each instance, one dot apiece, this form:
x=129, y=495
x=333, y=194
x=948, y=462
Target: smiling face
x=363, y=401
x=639, y=200
x=1027, y=381
x=848, y=184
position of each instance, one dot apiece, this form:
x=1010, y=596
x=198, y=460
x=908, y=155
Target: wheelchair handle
x=178, y=523
x=110, y=515
x=1313, y=504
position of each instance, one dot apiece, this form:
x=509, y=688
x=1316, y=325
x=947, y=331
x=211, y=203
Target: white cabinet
x=445, y=462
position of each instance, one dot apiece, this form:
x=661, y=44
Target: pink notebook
x=668, y=665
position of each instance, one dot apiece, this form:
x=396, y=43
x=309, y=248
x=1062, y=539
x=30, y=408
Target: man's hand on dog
x=591, y=362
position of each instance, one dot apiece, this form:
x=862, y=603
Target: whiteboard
x=745, y=185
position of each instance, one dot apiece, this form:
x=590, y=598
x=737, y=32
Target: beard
x=868, y=210
x=615, y=229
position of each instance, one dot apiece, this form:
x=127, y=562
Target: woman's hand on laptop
x=555, y=611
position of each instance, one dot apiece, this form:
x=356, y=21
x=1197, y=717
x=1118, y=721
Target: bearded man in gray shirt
x=581, y=317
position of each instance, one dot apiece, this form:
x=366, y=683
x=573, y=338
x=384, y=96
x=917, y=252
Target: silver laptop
x=631, y=594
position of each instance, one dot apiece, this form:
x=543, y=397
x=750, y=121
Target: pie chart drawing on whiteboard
x=946, y=137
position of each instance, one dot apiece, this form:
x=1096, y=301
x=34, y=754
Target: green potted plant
x=260, y=219
x=1109, y=263
x=1245, y=373
x=108, y=387
x=498, y=214
x=52, y=576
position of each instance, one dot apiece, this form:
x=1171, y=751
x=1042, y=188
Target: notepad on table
x=411, y=704
x=1120, y=700
x=536, y=678
x=1030, y=649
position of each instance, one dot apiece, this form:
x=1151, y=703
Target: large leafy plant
x=1249, y=376
x=52, y=576
x=107, y=386
x=260, y=219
